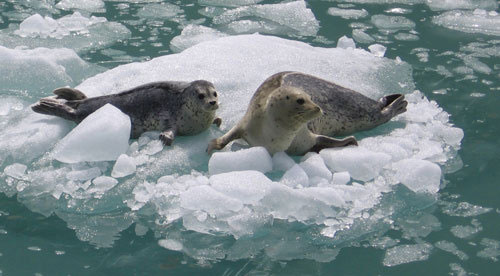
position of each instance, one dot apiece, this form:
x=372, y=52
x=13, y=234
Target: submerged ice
x=236, y=197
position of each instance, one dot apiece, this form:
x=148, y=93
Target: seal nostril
x=213, y=102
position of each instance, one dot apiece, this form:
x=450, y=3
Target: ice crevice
x=239, y=195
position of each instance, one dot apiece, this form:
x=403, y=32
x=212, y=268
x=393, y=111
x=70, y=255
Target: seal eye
x=201, y=96
x=215, y=94
x=301, y=101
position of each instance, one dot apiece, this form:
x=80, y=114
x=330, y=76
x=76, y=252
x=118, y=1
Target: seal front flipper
x=325, y=142
x=217, y=144
x=217, y=121
x=69, y=94
x=167, y=137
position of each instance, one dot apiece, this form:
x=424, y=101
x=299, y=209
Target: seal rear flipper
x=69, y=94
x=393, y=105
x=53, y=107
x=325, y=142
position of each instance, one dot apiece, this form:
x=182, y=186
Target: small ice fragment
x=170, y=244
x=314, y=166
x=348, y=13
x=84, y=175
x=247, y=186
x=392, y=22
x=207, y=199
x=282, y=162
x=361, y=37
x=15, y=170
x=102, y=136
x=403, y=254
x=295, y=177
x=192, y=35
x=361, y=163
x=102, y=184
x=418, y=175
x=341, y=178
x=377, y=50
x=255, y=158
x=152, y=148
x=346, y=43
x=124, y=165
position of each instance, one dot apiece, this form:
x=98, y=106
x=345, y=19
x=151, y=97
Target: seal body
x=174, y=108
x=344, y=112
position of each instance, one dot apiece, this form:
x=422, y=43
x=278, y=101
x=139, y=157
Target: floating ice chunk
x=346, y=43
x=84, y=5
x=463, y=209
x=124, y=165
x=38, y=26
x=102, y=184
x=418, y=175
x=491, y=249
x=465, y=231
x=102, y=136
x=392, y=22
x=477, y=65
x=294, y=15
x=159, y=11
x=41, y=70
x=361, y=37
x=407, y=2
x=403, y=254
x=83, y=175
x=406, y=37
x=295, y=177
x=361, y=163
x=170, y=244
x=73, y=31
x=348, y=13
x=207, y=199
x=452, y=248
x=247, y=186
x=228, y=3
x=439, y=5
x=15, y=170
x=470, y=22
x=192, y=35
x=255, y=158
x=341, y=178
x=314, y=166
x=282, y=162
x=377, y=50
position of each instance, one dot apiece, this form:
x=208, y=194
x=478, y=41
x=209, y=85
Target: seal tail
x=50, y=106
x=69, y=94
x=393, y=105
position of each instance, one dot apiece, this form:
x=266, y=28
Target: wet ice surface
x=243, y=197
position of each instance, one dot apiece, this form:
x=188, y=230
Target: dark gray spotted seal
x=174, y=108
x=344, y=112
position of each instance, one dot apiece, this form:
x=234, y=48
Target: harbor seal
x=344, y=112
x=174, y=108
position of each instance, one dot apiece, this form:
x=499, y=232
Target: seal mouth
x=211, y=106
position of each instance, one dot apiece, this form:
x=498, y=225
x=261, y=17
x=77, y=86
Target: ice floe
x=294, y=16
x=477, y=21
x=83, y=5
x=438, y=5
x=235, y=212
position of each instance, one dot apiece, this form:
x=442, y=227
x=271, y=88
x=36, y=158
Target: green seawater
x=461, y=228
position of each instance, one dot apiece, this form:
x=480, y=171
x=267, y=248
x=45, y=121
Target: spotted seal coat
x=344, y=112
x=174, y=108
